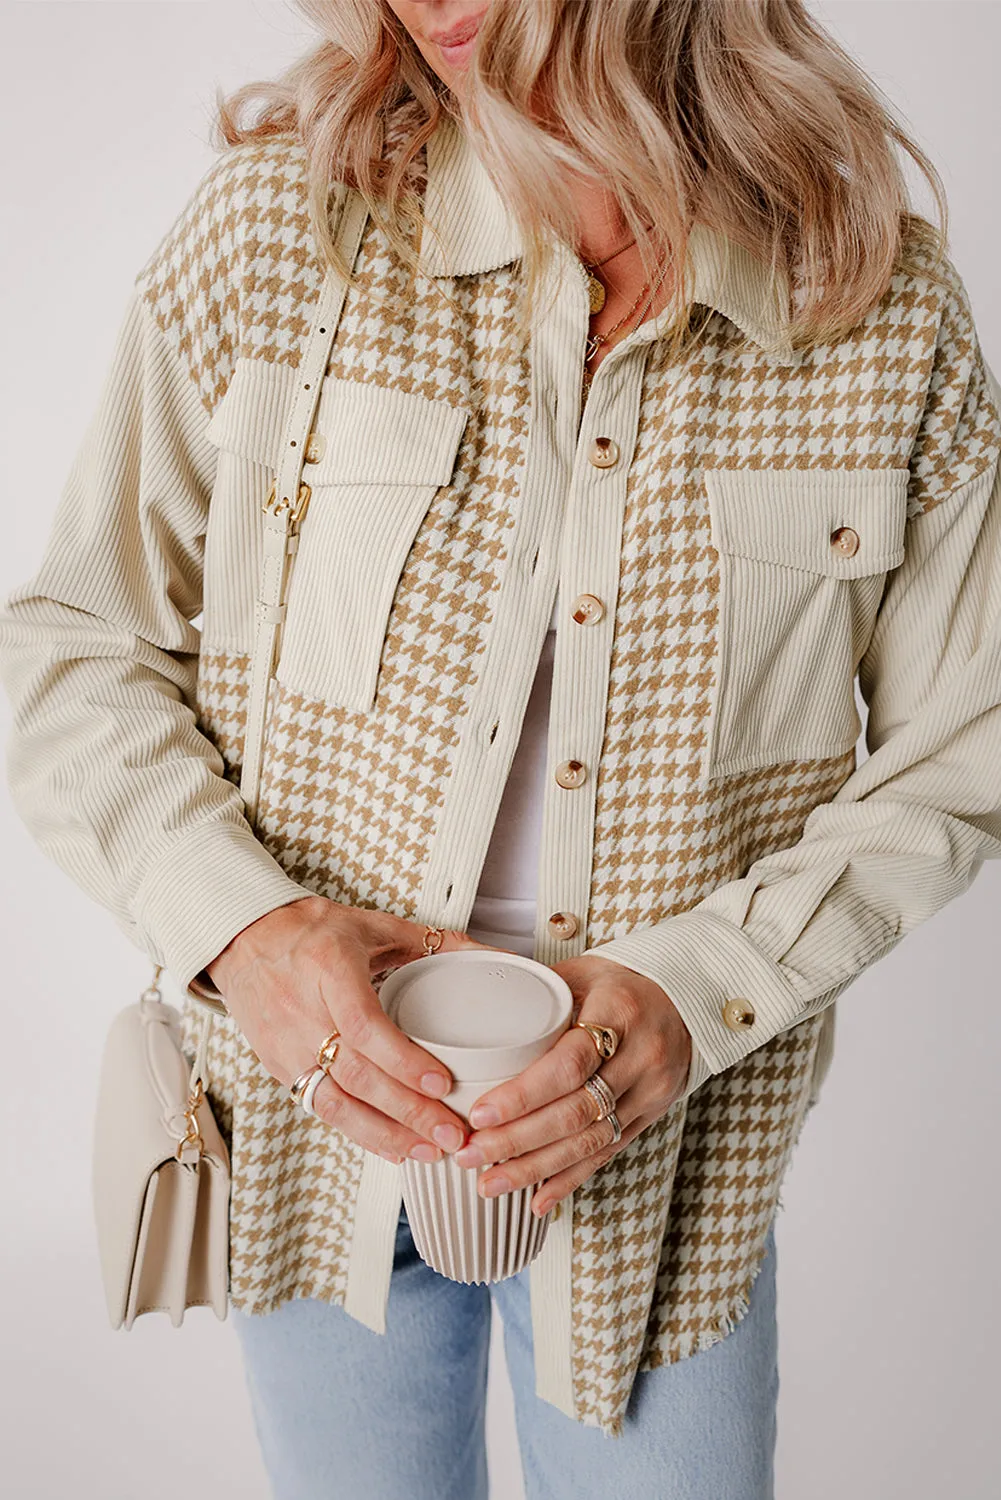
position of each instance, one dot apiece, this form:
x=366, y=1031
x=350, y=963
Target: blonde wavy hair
x=743, y=114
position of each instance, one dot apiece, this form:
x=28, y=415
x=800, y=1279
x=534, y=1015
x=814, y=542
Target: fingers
x=420, y=1121
x=368, y=1127
x=536, y=1166
x=564, y=1117
x=556, y=1073
x=367, y=1029
x=557, y=1187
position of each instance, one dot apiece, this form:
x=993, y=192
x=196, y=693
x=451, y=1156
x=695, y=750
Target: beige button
x=738, y=1014
x=316, y=446
x=845, y=540
x=604, y=452
x=571, y=773
x=563, y=924
x=587, y=609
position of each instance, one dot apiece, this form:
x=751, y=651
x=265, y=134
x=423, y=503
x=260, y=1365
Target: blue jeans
x=343, y=1413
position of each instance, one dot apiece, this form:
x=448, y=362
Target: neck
x=603, y=230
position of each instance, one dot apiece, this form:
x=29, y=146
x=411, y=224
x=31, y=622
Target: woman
x=594, y=554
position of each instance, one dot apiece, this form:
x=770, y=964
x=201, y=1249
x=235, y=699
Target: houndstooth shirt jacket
x=758, y=526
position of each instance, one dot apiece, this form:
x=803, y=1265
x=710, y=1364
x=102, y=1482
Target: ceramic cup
x=486, y=1015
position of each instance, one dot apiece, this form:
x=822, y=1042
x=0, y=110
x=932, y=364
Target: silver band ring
x=296, y=1088
x=616, y=1127
x=602, y=1095
x=309, y=1092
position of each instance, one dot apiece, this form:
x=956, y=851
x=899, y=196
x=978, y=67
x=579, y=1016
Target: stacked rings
x=303, y=1090
x=605, y=1100
x=598, y=1088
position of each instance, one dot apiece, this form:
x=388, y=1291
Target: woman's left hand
x=545, y=1130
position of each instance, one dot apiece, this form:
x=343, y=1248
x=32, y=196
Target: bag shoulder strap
x=288, y=497
x=282, y=517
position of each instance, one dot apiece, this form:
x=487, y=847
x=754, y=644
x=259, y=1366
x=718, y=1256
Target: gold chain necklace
x=595, y=340
x=595, y=286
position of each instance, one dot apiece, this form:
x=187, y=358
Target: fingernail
x=435, y=1084
x=469, y=1156
x=448, y=1136
x=483, y=1116
x=491, y=1188
x=425, y=1152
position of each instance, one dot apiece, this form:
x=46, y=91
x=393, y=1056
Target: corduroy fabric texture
x=724, y=842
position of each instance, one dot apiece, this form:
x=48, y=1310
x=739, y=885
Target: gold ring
x=604, y=1038
x=430, y=933
x=326, y=1053
x=602, y=1095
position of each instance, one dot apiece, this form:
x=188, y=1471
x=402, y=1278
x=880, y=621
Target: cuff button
x=738, y=1014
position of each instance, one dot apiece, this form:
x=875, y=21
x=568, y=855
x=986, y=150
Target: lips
x=457, y=35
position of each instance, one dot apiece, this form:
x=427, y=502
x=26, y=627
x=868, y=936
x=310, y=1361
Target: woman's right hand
x=295, y=974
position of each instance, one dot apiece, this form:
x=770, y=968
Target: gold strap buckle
x=296, y=512
x=193, y=1136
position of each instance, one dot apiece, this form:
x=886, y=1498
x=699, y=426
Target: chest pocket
x=803, y=559
x=376, y=458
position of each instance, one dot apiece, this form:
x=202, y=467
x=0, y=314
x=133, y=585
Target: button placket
x=488, y=733
x=589, y=571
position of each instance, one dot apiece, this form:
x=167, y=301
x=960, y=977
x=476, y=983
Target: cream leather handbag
x=160, y=1171
x=160, y=1177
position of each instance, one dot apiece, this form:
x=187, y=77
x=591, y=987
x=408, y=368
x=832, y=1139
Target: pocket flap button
x=316, y=446
x=845, y=540
x=738, y=1014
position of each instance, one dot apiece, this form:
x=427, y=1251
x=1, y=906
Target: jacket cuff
x=201, y=892
x=698, y=1071
x=703, y=962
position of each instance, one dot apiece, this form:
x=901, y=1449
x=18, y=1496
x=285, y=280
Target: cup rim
x=564, y=994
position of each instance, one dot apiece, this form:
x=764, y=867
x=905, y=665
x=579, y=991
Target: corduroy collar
x=470, y=230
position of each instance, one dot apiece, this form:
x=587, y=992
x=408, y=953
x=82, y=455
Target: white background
x=888, y=1230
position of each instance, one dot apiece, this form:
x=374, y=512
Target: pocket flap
x=370, y=434
x=788, y=516
x=375, y=434
x=250, y=418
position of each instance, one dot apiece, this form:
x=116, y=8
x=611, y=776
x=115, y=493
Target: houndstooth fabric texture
x=669, y=1235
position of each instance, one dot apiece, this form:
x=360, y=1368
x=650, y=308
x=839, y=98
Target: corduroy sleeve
x=910, y=828
x=98, y=655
